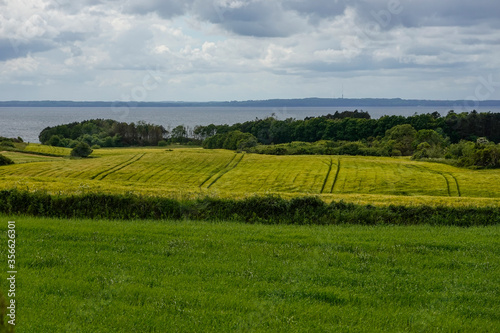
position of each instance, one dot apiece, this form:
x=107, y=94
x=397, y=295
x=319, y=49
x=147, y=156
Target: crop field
x=164, y=276
x=36, y=148
x=78, y=275
x=193, y=172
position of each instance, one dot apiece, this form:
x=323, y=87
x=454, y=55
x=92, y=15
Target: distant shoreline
x=306, y=102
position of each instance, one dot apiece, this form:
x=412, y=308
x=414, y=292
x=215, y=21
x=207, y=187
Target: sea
x=28, y=122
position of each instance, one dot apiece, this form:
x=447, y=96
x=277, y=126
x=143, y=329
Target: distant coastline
x=305, y=102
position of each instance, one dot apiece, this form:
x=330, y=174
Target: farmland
x=189, y=173
x=219, y=274
x=182, y=276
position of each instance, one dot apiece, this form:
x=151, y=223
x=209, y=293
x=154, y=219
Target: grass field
x=128, y=276
x=194, y=172
x=184, y=276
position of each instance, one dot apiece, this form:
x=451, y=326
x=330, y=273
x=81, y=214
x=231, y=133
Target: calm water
x=29, y=122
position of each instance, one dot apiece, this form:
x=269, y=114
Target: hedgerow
x=258, y=209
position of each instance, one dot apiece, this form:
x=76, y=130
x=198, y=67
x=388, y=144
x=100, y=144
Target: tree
x=81, y=150
x=179, y=134
x=235, y=140
x=403, y=137
x=430, y=144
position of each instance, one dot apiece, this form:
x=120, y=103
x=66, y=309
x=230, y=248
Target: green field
x=195, y=172
x=184, y=276
x=129, y=276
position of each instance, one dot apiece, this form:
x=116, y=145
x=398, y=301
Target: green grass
x=19, y=158
x=194, y=172
x=119, y=276
x=49, y=150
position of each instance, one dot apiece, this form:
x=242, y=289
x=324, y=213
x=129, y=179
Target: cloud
x=166, y=9
x=264, y=48
x=14, y=48
x=253, y=18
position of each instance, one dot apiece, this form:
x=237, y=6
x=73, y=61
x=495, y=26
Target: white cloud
x=19, y=66
x=247, y=49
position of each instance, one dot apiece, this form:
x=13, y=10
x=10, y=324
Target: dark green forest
x=103, y=133
x=355, y=126
x=465, y=139
x=468, y=138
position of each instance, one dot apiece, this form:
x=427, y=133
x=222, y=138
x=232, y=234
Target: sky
x=218, y=50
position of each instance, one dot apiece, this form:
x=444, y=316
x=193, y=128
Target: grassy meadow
x=182, y=276
x=189, y=172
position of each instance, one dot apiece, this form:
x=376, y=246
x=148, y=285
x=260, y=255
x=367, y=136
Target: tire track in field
x=336, y=175
x=447, y=183
x=227, y=170
x=112, y=168
x=154, y=172
x=123, y=166
x=165, y=172
x=56, y=172
x=217, y=171
x=442, y=174
x=330, y=165
x=48, y=171
x=147, y=176
x=456, y=183
x=120, y=166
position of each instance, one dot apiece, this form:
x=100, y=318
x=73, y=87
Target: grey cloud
x=390, y=13
x=166, y=9
x=69, y=36
x=316, y=10
x=16, y=48
x=263, y=18
x=259, y=19
x=248, y=18
x=76, y=51
x=73, y=7
x=12, y=48
x=479, y=41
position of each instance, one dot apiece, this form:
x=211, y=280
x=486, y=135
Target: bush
x=7, y=143
x=162, y=143
x=350, y=148
x=481, y=154
x=81, y=150
x=487, y=156
x=5, y=160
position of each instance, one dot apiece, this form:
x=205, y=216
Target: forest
x=355, y=126
x=467, y=138
x=110, y=133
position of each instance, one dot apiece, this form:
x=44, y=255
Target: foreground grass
x=126, y=276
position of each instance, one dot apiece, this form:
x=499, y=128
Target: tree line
x=468, y=139
x=346, y=127
x=110, y=133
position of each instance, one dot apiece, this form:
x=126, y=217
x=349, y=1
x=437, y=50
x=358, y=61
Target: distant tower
x=342, y=91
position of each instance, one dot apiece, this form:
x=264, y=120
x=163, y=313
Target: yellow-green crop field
x=191, y=172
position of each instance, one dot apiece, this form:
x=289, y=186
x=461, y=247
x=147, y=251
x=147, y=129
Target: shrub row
x=267, y=210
